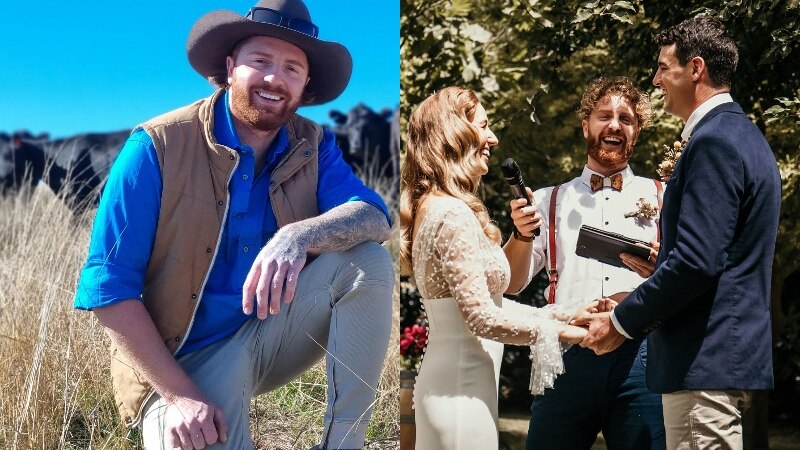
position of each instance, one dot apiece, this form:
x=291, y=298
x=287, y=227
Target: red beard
x=609, y=157
x=259, y=118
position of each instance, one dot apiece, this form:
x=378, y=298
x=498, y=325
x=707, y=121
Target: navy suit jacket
x=706, y=308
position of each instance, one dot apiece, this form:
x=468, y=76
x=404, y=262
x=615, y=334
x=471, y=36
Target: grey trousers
x=343, y=302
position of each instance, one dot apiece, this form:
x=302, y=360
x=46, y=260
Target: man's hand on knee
x=274, y=272
x=194, y=424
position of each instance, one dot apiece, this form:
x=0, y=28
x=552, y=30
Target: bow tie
x=597, y=181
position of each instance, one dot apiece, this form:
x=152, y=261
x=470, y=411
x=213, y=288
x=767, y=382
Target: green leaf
x=622, y=17
x=461, y=8
x=775, y=110
x=626, y=5
x=582, y=15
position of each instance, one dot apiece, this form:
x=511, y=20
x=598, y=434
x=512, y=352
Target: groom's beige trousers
x=343, y=303
x=704, y=420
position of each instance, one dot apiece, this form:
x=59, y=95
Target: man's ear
x=229, y=65
x=585, y=126
x=698, y=66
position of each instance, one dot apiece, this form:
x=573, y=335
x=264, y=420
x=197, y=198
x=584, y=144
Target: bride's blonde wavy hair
x=441, y=156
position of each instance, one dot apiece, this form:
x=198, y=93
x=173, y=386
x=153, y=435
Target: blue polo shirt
x=125, y=225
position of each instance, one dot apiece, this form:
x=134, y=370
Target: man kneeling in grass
x=216, y=213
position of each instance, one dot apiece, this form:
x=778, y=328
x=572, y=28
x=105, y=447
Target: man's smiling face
x=611, y=131
x=267, y=77
x=675, y=82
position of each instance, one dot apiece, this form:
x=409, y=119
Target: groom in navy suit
x=706, y=306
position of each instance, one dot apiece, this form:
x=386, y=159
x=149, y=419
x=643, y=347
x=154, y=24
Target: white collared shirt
x=702, y=110
x=583, y=280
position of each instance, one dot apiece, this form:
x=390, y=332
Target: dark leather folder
x=605, y=246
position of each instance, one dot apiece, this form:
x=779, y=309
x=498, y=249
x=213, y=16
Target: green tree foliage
x=530, y=60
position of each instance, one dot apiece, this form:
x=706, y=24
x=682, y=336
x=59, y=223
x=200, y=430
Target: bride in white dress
x=461, y=272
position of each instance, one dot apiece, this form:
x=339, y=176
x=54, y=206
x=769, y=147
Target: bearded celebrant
x=596, y=393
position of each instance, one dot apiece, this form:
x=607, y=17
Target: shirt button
x=606, y=223
x=194, y=295
x=606, y=278
x=307, y=153
x=606, y=198
x=208, y=250
x=220, y=203
x=244, y=177
x=245, y=249
x=232, y=158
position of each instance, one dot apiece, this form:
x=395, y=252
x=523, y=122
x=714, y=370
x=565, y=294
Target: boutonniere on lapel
x=667, y=166
x=643, y=211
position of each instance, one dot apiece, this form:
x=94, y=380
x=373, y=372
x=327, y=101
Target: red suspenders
x=551, y=236
x=551, y=246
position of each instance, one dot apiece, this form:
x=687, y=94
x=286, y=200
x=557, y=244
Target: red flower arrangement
x=412, y=345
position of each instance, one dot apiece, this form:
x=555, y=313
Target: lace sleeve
x=545, y=356
x=461, y=247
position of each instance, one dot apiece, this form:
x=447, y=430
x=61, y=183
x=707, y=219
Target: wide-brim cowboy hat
x=214, y=36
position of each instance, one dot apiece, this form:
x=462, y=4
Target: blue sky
x=73, y=67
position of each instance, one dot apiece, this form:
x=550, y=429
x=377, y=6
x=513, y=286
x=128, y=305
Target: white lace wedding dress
x=461, y=276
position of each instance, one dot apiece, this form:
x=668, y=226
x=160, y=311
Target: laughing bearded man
x=596, y=393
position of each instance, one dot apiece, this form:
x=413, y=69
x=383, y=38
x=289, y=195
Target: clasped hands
x=593, y=329
x=601, y=334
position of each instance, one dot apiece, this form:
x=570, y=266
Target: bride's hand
x=571, y=334
x=600, y=305
x=604, y=305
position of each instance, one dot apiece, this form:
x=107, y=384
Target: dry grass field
x=54, y=378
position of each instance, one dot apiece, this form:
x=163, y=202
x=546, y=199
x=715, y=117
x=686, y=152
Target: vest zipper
x=286, y=156
x=214, y=256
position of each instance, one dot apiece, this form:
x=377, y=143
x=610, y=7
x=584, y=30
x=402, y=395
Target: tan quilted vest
x=195, y=172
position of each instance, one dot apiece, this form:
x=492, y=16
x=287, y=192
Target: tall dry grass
x=56, y=392
x=55, y=386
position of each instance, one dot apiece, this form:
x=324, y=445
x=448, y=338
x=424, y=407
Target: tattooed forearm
x=341, y=228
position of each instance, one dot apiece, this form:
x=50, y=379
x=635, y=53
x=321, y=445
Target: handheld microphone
x=514, y=179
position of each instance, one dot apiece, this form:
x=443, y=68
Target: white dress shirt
x=702, y=110
x=582, y=280
x=694, y=118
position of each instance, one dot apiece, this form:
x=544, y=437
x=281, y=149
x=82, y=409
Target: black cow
x=79, y=165
x=363, y=136
x=21, y=161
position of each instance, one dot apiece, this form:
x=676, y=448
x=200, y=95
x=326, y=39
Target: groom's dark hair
x=707, y=38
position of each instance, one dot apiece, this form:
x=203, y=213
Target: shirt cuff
x=618, y=326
